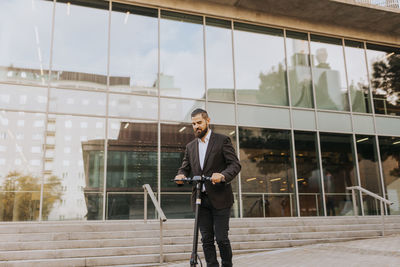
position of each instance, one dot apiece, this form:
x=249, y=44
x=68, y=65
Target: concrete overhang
x=339, y=12
x=334, y=17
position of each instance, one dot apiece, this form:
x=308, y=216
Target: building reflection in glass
x=75, y=154
x=21, y=158
x=134, y=49
x=260, y=65
x=267, y=174
x=329, y=73
x=25, y=41
x=75, y=63
x=339, y=172
x=384, y=71
x=308, y=174
x=357, y=76
x=219, y=60
x=181, y=55
x=390, y=156
x=298, y=58
x=131, y=163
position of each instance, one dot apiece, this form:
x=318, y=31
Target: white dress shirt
x=203, y=148
x=202, y=152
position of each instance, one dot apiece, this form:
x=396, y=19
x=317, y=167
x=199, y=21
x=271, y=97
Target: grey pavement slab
x=382, y=252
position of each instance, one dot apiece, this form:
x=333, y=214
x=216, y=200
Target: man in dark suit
x=212, y=155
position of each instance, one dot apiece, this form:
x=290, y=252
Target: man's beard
x=202, y=133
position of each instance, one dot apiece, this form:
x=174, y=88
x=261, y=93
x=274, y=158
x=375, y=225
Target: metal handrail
x=365, y=191
x=148, y=190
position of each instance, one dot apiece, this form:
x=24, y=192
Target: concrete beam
x=331, y=17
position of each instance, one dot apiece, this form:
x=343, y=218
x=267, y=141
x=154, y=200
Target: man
x=212, y=155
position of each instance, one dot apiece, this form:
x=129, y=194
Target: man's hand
x=217, y=178
x=179, y=177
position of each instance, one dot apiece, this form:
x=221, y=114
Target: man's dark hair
x=197, y=111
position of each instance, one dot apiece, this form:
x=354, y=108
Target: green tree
x=21, y=198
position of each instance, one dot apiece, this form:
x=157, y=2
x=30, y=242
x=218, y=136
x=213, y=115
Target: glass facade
x=83, y=125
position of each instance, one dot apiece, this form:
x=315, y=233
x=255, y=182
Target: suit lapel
x=209, y=148
x=196, y=156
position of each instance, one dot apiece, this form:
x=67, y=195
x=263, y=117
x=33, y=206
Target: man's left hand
x=217, y=178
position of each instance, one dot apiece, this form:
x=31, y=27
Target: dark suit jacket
x=220, y=157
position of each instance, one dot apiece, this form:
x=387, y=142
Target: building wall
x=96, y=101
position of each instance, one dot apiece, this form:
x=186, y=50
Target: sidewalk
x=382, y=252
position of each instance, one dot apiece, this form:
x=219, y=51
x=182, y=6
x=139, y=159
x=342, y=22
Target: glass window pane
x=131, y=156
x=76, y=63
x=20, y=97
x=383, y=65
x=329, y=73
x=357, y=76
x=25, y=40
x=122, y=105
x=308, y=174
x=219, y=60
x=260, y=65
x=339, y=172
x=134, y=49
x=178, y=110
x=369, y=171
x=74, y=167
x=77, y=102
x=221, y=113
x=21, y=160
x=267, y=173
x=182, y=55
x=263, y=116
x=390, y=156
x=299, y=69
x=128, y=206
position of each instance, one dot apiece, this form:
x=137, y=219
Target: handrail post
x=145, y=205
x=353, y=195
x=383, y=219
x=147, y=190
x=161, y=242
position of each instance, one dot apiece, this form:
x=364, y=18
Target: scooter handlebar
x=194, y=179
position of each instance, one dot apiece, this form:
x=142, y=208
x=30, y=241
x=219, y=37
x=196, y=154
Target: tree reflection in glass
x=260, y=65
x=384, y=71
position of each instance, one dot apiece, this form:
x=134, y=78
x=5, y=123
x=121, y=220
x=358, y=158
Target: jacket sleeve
x=185, y=167
x=233, y=166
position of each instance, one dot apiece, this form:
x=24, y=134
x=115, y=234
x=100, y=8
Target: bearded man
x=211, y=154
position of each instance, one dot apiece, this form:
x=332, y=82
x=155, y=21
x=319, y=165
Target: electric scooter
x=199, y=181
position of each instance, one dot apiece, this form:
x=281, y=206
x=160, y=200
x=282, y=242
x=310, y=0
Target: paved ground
x=382, y=252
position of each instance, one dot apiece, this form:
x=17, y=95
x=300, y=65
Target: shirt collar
x=207, y=138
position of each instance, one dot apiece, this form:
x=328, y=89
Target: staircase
x=134, y=243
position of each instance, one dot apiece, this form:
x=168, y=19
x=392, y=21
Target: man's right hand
x=179, y=177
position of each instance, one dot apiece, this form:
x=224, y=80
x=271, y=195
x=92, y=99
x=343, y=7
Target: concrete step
x=151, y=259
x=87, y=226
x=266, y=229
x=111, y=248
x=126, y=242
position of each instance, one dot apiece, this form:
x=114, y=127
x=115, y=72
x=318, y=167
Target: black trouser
x=214, y=222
